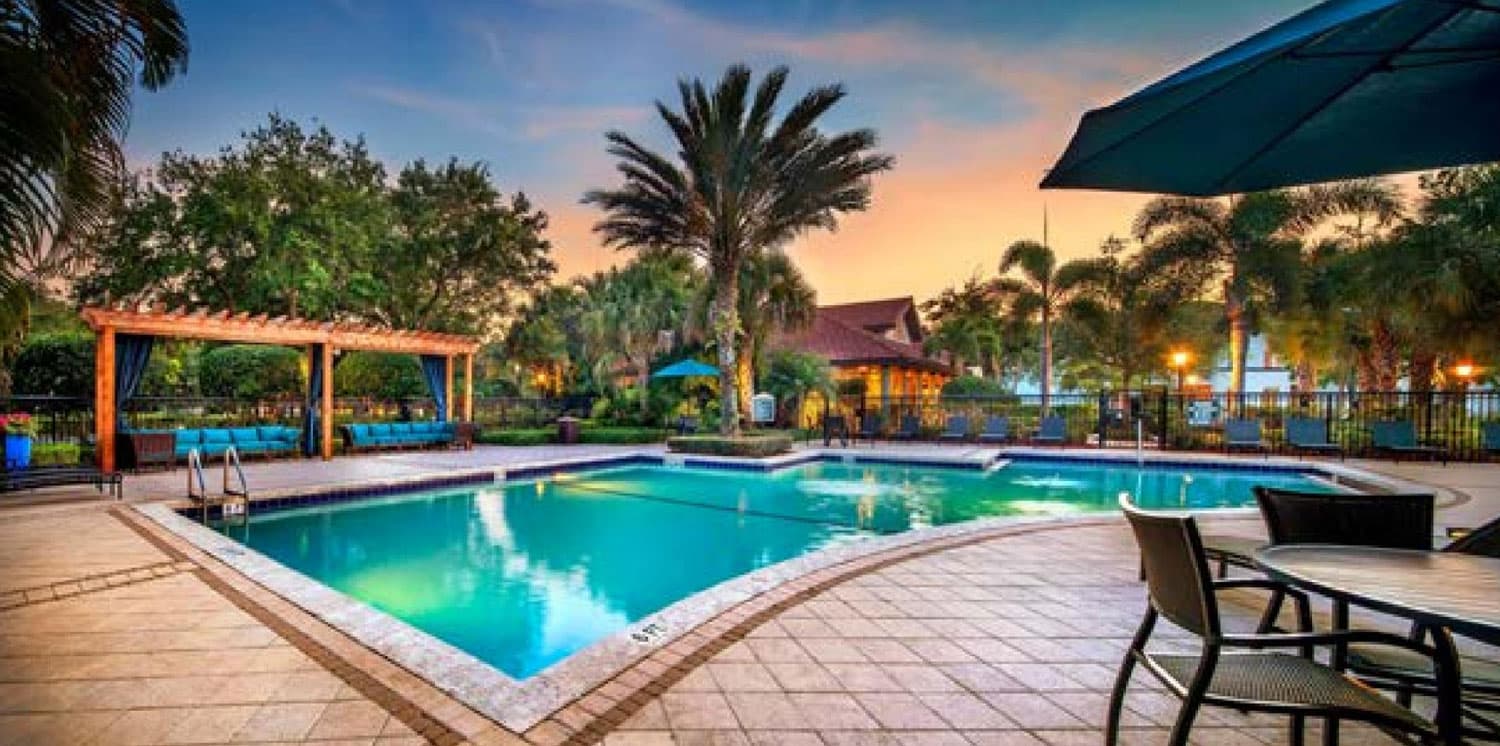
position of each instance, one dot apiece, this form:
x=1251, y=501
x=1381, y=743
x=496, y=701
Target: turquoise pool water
x=523, y=575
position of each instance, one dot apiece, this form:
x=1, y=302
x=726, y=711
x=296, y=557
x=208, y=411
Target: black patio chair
x=1409, y=675
x=1052, y=430
x=870, y=428
x=835, y=427
x=1310, y=435
x=1243, y=435
x=911, y=428
x=957, y=429
x=1235, y=670
x=1399, y=438
x=996, y=429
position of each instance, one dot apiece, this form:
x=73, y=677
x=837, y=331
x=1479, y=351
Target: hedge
x=55, y=454
x=621, y=435
x=533, y=436
x=747, y=446
x=251, y=371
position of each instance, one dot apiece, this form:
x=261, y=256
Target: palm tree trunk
x=1239, y=338
x=745, y=373
x=726, y=324
x=1046, y=361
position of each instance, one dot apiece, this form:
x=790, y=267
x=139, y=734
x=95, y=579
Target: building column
x=448, y=388
x=326, y=421
x=104, y=398
x=885, y=391
x=469, y=387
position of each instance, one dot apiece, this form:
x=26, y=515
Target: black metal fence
x=71, y=419
x=1166, y=420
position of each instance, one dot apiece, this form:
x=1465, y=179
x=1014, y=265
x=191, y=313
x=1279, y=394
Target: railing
x=1172, y=421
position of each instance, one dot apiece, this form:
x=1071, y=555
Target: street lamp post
x=1179, y=362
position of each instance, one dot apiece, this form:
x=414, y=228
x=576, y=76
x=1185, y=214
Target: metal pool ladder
x=232, y=494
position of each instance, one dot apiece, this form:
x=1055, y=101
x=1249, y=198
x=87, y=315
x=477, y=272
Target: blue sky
x=974, y=99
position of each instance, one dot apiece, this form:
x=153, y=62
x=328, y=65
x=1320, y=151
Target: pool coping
x=521, y=705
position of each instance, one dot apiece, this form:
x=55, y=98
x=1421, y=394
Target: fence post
x=1103, y=417
x=1162, y=411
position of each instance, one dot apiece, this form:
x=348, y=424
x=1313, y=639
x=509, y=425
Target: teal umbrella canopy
x=1348, y=88
x=686, y=369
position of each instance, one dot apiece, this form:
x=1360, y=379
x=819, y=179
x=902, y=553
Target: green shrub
x=621, y=435
x=747, y=446
x=55, y=364
x=976, y=386
x=382, y=375
x=530, y=436
x=55, y=454
x=251, y=371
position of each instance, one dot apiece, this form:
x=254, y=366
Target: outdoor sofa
x=210, y=442
x=383, y=435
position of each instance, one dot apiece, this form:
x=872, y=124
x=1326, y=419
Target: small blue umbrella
x=686, y=369
x=1348, y=88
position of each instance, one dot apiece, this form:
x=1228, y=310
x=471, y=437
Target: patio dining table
x=1449, y=591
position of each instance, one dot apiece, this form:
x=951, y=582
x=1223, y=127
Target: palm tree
x=1253, y=242
x=965, y=323
x=774, y=296
x=1038, y=288
x=628, y=309
x=744, y=184
x=66, y=74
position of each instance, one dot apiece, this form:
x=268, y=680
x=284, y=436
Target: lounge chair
x=911, y=428
x=835, y=426
x=870, y=427
x=1491, y=434
x=1309, y=435
x=687, y=425
x=958, y=429
x=1243, y=435
x=1399, y=438
x=1052, y=431
x=1242, y=672
x=996, y=430
x=109, y=482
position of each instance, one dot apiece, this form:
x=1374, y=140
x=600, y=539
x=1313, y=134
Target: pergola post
x=104, y=397
x=469, y=387
x=448, y=388
x=326, y=421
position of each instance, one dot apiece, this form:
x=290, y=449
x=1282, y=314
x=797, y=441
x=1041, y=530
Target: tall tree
x=67, y=70
x=745, y=183
x=1254, y=241
x=774, y=297
x=630, y=307
x=1037, y=287
x=966, y=323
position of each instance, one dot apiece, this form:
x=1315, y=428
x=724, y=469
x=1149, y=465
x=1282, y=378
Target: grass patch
x=621, y=435
x=529, y=436
x=745, y=446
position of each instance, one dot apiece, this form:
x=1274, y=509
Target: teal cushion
x=188, y=438
x=273, y=433
x=214, y=448
x=244, y=435
x=402, y=428
x=279, y=445
x=380, y=431
x=216, y=436
x=250, y=446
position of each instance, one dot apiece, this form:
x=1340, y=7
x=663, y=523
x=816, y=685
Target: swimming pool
x=524, y=574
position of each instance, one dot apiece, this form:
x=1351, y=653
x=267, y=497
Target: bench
x=391, y=435
x=62, y=476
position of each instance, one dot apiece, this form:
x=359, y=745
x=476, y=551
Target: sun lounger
x=957, y=430
x=911, y=428
x=1309, y=435
x=870, y=427
x=1399, y=438
x=1052, y=430
x=1243, y=435
x=996, y=430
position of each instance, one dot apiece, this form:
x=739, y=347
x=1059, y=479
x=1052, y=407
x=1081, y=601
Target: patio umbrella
x=686, y=369
x=1348, y=88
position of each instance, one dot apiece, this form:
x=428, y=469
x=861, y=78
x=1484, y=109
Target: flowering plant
x=17, y=423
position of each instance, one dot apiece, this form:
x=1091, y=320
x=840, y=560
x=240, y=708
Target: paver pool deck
x=114, y=632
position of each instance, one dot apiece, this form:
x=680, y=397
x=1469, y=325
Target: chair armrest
x=1265, y=584
x=1334, y=637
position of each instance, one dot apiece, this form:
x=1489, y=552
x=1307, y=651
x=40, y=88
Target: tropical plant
x=252, y=371
x=966, y=323
x=1253, y=241
x=745, y=184
x=774, y=297
x=628, y=310
x=67, y=70
x=792, y=375
x=1036, y=287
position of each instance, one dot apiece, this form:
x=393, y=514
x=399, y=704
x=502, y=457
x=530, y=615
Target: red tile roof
x=843, y=343
x=872, y=314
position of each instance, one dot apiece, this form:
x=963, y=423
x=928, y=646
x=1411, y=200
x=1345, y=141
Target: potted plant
x=18, y=432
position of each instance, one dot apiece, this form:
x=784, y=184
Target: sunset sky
x=975, y=99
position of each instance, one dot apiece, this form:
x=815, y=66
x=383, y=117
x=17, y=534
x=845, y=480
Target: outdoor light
x=1178, y=361
x=1464, y=370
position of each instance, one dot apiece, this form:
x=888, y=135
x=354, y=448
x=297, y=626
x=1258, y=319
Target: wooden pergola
x=262, y=329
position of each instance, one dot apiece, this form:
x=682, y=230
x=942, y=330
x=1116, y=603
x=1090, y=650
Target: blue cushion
x=244, y=435
x=380, y=431
x=273, y=433
x=279, y=445
x=188, y=438
x=216, y=436
x=214, y=448
x=403, y=428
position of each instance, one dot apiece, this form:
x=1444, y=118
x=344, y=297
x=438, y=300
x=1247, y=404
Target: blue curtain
x=310, y=428
x=132, y=352
x=435, y=370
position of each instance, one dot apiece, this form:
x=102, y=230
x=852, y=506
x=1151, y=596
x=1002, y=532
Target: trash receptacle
x=567, y=430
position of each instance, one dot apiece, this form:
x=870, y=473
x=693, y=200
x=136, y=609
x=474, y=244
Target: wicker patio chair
x=1234, y=670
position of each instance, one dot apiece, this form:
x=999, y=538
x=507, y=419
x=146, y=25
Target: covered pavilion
x=124, y=337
